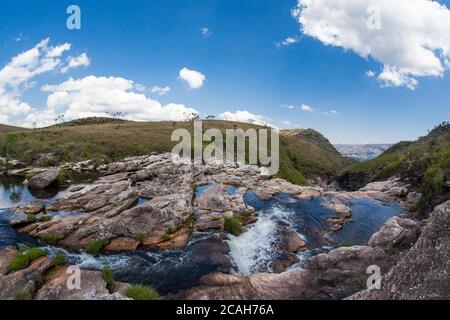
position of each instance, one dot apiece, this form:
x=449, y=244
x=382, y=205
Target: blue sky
x=149, y=42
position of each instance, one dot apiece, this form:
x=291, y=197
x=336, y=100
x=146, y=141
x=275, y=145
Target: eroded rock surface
x=423, y=273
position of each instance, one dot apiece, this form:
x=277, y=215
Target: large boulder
x=396, y=234
x=44, y=180
x=423, y=273
x=92, y=287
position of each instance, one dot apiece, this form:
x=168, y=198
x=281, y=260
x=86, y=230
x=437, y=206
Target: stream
x=172, y=270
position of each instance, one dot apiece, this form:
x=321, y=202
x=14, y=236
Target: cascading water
x=254, y=249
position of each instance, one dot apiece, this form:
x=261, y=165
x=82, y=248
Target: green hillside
x=425, y=164
x=305, y=154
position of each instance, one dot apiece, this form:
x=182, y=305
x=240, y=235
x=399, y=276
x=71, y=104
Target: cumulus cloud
x=74, y=62
x=193, y=78
x=412, y=40
x=246, y=117
x=161, y=91
x=286, y=42
x=96, y=96
x=75, y=98
x=17, y=76
x=306, y=108
x=206, y=32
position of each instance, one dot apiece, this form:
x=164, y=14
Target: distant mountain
x=362, y=152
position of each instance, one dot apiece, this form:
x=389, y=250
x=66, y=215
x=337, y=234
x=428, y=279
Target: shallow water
x=172, y=270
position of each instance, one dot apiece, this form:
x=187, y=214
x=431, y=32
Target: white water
x=251, y=250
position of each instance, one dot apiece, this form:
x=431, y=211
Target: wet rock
x=212, y=252
x=423, y=272
x=177, y=240
x=209, y=221
x=76, y=188
x=122, y=244
x=44, y=180
x=269, y=189
x=396, y=234
x=290, y=241
x=283, y=262
x=33, y=207
x=21, y=284
x=92, y=287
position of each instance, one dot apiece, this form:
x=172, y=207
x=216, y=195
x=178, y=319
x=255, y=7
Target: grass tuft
x=139, y=292
x=233, y=226
x=60, y=258
x=24, y=259
x=96, y=246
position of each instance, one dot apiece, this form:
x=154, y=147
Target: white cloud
x=291, y=107
x=193, y=78
x=306, y=108
x=206, y=32
x=74, y=62
x=286, y=42
x=246, y=117
x=161, y=91
x=413, y=39
x=95, y=96
x=75, y=98
x=370, y=74
x=17, y=76
x=334, y=112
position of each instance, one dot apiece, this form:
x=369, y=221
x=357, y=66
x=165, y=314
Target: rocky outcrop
x=44, y=180
x=92, y=287
x=327, y=276
x=423, y=273
x=143, y=201
x=271, y=188
x=42, y=280
x=396, y=234
x=413, y=268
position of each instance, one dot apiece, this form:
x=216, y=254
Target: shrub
x=23, y=259
x=139, y=292
x=139, y=237
x=233, y=226
x=108, y=276
x=96, y=246
x=60, y=258
x=63, y=177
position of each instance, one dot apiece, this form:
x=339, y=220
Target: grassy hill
x=425, y=164
x=305, y=154
x=4, y=129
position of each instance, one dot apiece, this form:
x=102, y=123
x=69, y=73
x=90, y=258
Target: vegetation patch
x=139, y=292
x=24, y=259
x=140, y=237
x=233, y=226
x=60, y=258
x=97, y=246
x=63, y=177
x=52, y=238
x=108, y=276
